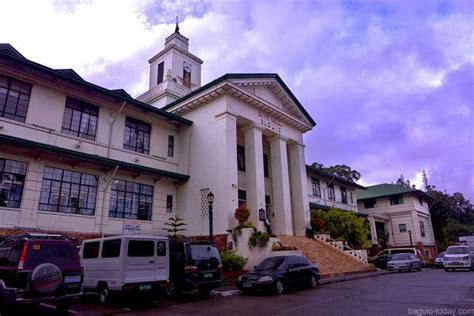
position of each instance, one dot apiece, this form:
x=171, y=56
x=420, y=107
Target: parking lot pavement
x=409, y=293
x=429, y=292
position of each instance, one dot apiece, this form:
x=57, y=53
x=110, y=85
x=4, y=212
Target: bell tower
x=174, y=72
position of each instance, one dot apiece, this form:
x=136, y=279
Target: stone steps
x=329, y=259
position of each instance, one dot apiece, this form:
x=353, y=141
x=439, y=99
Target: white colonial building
x=400, y=212
x=79, y=158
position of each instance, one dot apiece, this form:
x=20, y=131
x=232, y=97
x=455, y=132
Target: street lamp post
x=210, y=200
x=411, y=241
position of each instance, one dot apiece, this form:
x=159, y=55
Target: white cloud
x=87, y=37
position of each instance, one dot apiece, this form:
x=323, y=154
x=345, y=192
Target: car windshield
x=270, y=264
x=401, y=256
x=457, y=250
x=203, y=252
x=441, y=255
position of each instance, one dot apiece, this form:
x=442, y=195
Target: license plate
x=144, y=287
x=456, y=263
x=72, y=279
x=247, y=284
x=207, y=275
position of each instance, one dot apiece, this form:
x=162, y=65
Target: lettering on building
x=270, y=123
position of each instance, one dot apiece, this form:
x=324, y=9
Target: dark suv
x=38, y=268
x=194, y=265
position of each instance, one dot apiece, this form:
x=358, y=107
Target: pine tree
x=175, y=224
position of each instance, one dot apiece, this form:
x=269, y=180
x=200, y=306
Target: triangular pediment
x=271, y=91
x=267, y=92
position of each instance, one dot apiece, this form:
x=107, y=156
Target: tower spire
x=176, y=29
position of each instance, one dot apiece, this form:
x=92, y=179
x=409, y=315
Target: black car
x=276, y=274
x=39, y=268
x=194, y=265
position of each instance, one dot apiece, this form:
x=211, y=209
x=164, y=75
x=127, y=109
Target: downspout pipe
x=111, y=128
x=103, y=200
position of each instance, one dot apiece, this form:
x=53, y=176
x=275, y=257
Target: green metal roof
x=385, y=189
x=91, y=158
x=244, y=76
x=8, y=51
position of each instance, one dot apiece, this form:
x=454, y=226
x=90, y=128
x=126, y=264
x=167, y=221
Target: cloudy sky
x=389, y=83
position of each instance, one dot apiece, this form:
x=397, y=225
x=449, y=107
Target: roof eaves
x=332, y=176
x=162, y=112
x=91, y=158
x=244, y=76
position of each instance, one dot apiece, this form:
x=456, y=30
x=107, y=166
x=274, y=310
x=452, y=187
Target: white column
x=373, y=230
x=299, y=189
x=225, y=176
x=415, y=232
x=281, y=187
x=254, y=173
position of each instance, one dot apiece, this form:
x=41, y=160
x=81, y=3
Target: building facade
x=328, y=191
x=400, y=213
x=81, y=159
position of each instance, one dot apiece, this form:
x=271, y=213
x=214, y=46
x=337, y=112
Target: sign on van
x=131, y=228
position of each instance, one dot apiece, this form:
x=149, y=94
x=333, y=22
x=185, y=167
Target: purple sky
x=389, y=83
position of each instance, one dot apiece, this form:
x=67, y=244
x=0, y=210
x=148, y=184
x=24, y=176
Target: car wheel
x=63, y=306
x=279, y=287
x=172, y=290
x=446, y=269
x=104, y=295
x=313, y=282
x=412, y=268
x=244, y=292
x=204, y=291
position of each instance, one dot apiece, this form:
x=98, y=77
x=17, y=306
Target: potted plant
x=232, y=264
x=258, y=239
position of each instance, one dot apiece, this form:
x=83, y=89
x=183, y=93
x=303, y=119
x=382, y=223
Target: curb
x=352, y=276
x=225, y=293
x=324, y=281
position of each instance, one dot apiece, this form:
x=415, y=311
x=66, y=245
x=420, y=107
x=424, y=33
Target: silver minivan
x=128, y=264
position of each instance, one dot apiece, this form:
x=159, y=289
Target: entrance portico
x=274, y=171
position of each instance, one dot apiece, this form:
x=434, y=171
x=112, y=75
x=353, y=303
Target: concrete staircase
x=330, y=260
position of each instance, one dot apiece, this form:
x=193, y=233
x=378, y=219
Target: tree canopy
x=342, y=171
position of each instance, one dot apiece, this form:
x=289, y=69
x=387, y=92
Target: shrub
x=247, y=224
x=258, y=239
x=318, y=224
x=345, y=225
x=232, y=261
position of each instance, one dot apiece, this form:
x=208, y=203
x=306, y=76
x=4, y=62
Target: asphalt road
x=430, y=292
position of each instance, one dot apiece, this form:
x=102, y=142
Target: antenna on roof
x=176, y=29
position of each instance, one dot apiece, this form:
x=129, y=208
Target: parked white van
x=132, y=264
